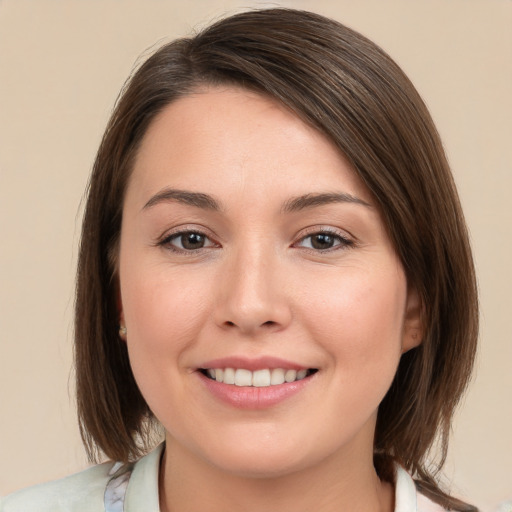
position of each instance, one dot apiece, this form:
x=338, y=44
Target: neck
x=188, y=484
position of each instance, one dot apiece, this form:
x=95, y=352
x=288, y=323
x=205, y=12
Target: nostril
x=250, y=325
x=268, y=323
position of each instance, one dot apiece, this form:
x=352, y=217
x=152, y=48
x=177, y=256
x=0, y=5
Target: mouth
x=266, y=377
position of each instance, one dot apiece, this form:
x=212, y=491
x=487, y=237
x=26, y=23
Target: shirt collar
x=405, y=491
x=142, y=491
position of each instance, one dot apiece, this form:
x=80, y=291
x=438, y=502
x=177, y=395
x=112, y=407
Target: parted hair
x=349, y=89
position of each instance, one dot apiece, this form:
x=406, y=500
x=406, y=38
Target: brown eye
x=192, y=241
x=188, y=241
x=324, y=240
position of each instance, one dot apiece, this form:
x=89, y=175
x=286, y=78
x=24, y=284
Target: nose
x=252, y=296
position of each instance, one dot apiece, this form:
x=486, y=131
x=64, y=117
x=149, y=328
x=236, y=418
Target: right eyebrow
x=197, y=199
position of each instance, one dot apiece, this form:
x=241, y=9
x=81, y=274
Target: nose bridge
x=252, y=294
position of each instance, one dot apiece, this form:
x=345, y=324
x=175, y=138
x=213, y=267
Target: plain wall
x=62, y=64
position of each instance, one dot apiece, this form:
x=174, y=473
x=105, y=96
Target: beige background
x=61, y=66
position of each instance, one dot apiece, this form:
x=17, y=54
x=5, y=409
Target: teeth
x=242, y=377
x=229, y=376
x=259, y=378
x=277, y=377
x=290, y=375
x=300, y=374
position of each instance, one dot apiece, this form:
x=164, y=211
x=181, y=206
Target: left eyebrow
x=185, y=197
x=305, y=201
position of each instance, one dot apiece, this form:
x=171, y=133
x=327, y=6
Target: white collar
x=405, y=491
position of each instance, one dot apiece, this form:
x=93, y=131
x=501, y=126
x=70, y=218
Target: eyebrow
x=197, y=199
x=295, y=204
x=305, y=201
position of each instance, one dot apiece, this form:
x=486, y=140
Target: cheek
x=164, y=313
x=358, y=318
x=156, y=313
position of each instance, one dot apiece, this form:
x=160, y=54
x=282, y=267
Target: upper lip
x=253, y=364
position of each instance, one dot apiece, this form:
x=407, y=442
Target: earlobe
x=413, y=330
x=122, y=323
x=122, y=332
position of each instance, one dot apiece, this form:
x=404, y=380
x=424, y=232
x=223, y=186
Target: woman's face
x=251, y=253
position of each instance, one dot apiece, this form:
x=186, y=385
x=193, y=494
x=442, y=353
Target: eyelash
x=343, y=241
x=166, y=241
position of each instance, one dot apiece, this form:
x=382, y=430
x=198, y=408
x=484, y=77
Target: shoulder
x=82, y=491
x=108, y=486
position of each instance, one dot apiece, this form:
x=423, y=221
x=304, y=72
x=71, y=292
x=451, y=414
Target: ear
x=414, y=329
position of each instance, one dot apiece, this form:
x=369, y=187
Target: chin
x=261, y=457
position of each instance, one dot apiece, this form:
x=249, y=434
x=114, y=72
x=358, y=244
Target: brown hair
x=349, y=89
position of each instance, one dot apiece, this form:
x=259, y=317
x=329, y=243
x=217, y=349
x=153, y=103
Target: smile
x=260, y=378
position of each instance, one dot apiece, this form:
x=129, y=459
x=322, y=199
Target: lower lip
x=251, y=397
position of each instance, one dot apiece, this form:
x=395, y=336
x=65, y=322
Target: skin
x=258, y=287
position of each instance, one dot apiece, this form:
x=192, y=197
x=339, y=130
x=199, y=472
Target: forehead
x=227, y=139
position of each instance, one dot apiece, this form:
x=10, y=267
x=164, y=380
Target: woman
x=274, y=268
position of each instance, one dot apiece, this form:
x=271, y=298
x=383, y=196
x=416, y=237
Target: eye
x=188, y=241
x=324, y=240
